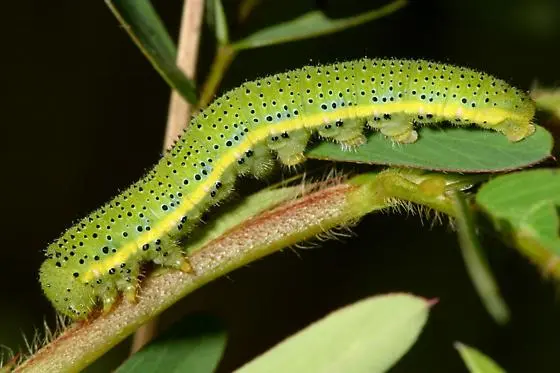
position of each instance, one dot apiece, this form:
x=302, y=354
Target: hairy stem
x=287, y=224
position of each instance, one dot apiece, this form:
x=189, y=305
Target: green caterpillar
x=237, y=135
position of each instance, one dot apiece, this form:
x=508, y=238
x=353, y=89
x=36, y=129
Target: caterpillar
x=239, y=134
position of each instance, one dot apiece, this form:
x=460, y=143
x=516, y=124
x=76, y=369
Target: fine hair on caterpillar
x=239, y=134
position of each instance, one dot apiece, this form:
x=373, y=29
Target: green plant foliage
x=524, y=206
x=216, y=18
x=476, y=262
x=311, y=25
x=140, y=20
x=547, y=100
x=194, y=345
x=446, y=149
x=369, y=336
x=476, y=361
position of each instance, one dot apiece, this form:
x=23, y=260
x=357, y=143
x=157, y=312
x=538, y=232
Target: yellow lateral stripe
x=451, y=111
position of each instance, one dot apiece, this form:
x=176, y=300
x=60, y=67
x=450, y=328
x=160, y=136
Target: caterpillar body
x=100, y=256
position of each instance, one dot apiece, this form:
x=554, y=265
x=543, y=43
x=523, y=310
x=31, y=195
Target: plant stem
x=187, y=57
x=290, y=223
x=179, y=113
x=224, y=56
x=180, y=110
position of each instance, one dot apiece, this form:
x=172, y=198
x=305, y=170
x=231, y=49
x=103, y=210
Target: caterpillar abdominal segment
x=238, y=134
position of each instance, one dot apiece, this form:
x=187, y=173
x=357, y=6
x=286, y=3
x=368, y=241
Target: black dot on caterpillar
x=238, y=134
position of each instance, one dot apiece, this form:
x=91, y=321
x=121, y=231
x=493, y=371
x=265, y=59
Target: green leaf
x=221, y=23
x=140, y=20
x=311, y=25
x=476, y=361
x=193, y=345
x=452, y=149
x=547, y=100
x=216, y=18
x=525, y=207
x=368, y=336
x=476, y=263
x=241, y=212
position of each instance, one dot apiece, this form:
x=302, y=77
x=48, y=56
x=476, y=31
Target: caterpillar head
x=69, y=295
x=521, y=103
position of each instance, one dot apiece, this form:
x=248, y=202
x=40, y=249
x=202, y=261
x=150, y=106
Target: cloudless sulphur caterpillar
x=101, y=255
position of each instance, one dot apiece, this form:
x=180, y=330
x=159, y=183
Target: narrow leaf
x=220, y=22
x=194, y=345
x=476, y=361
x=476, y=263
x=310, y=25
x=446, y=149
x=369, y=336
x=140, y=20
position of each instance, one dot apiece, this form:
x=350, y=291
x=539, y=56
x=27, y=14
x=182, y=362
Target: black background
x=82, y=115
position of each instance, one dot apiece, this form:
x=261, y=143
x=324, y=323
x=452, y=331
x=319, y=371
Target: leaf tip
x=432, y=302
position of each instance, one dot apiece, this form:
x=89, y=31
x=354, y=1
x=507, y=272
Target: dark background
x=83, y=113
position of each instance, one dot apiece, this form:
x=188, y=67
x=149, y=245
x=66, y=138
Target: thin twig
x=187, y=57
x=179, y=113
x=225, y=55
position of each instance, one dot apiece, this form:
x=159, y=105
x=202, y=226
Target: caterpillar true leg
x=181, y=263
x=129, y=292
x=128, y=280
x=109, y=297
x=177, y=260
x=169, y=254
